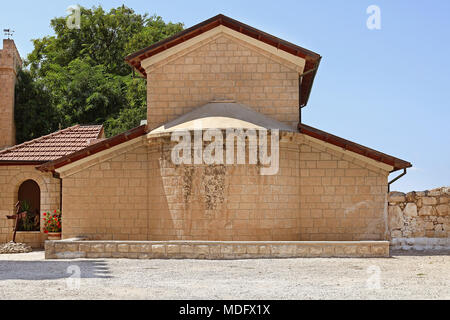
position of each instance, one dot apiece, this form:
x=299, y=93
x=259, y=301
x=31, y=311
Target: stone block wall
x=106, y=198
x=420, y=215
x=341, y=197
x=137, y=193
x=9, y=62
x=11, y=177
x=223, y=202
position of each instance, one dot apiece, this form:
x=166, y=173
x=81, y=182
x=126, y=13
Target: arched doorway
x=29, y=197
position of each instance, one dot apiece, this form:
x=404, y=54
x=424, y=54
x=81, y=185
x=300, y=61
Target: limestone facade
x=222, y=68
x=137, y=193
x=11, y=177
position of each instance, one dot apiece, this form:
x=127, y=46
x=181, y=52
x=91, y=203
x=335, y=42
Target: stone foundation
x=72, y=249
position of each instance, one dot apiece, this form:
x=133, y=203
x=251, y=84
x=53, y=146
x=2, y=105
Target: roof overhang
x=93, y=149
x=393, y=162
x=20, y=163
x=284, y=48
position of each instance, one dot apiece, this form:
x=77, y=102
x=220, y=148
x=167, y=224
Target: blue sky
x=388, y=89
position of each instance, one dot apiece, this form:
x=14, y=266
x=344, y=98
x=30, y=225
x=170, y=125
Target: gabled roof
x=312, y=58
x=52, y=146
x=396, y=163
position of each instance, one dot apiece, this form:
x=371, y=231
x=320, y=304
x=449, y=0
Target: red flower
x=45, y=231
x=44, y=214
x=54, y=211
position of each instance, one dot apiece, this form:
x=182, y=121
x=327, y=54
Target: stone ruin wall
x=420, y=219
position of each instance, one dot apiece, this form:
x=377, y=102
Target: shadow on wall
x=52, y=270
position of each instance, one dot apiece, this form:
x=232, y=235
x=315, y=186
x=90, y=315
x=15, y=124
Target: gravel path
x=403, y=276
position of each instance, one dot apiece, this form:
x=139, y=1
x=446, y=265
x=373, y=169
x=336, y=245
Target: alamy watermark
x=194, y=152
x=74, y=18
x=374, y=20
x=73, y=281
x=374, y=280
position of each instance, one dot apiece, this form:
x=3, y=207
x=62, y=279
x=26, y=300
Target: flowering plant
x=52, y=221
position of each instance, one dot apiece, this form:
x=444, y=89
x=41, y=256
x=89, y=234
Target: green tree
x=81, y=73
x=33, y=113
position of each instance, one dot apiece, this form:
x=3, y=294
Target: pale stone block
x=265, y=250
x=201, y=249
x=339, y=251
x=287, y=250
x=426, y=211
x=119, y=254
x=396, y=197
x=215, y=251
x=410, y=210
x=302, y=251
x=315, y=251
x=97, y=248
x=429, y=226
x=173, y=248
x=427, y=201
x=328, y=251
x=350, y=250
x=110, y=247
x=123, y=247
x=84, y=247
x=363, y=250
x=380, y=251
x=395, y=217
x=396, y=234
x=159, y=248
x=442, y=209
x=186, y=248
x=239, y=249
x=252, y=249
x=135, y=248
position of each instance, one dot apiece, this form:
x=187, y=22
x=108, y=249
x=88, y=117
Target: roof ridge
x=38, y=139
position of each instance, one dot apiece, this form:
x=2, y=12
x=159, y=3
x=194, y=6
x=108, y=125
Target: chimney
x=9, y=63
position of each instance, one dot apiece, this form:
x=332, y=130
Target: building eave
x=93, y=149
x=395, y=163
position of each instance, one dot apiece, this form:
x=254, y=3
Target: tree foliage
x=79, y=76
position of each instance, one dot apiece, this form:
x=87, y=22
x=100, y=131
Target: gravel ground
x=405, y=275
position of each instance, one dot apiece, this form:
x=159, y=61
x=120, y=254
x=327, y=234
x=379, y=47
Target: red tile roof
x=52, y=146
x=93, y=149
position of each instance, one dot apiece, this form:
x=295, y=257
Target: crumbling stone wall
x=420, y=215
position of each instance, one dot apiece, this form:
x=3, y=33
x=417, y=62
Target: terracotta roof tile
x=54, y=145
